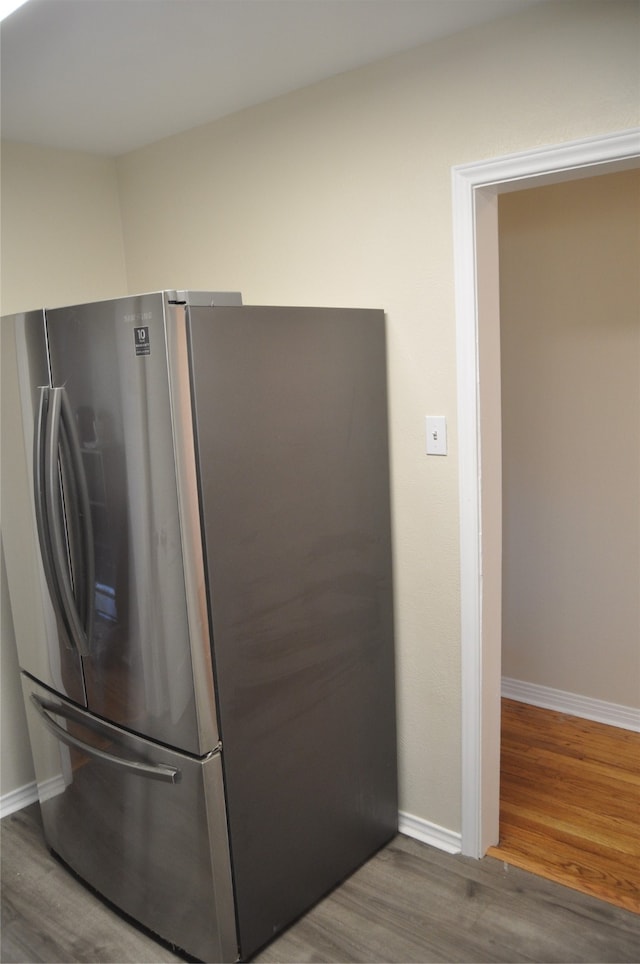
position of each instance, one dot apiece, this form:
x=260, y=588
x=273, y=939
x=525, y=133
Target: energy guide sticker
x=141, y=338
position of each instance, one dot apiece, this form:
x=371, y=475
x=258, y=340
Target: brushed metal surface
x=111, y=358
x=291, y=416
x=43, y=643
x=208, y=299
x=68, y=520
x=189, y=518
x=157, y=849
x=154, y=771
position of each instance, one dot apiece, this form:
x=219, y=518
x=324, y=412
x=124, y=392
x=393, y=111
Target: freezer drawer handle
x=153, y=771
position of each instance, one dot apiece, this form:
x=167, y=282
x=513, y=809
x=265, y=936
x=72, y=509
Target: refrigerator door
x=143, y=825
x=145, y=667
x=291, y=425
x=47, y=544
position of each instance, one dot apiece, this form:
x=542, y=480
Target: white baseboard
x=17, y=799
x=30, y=793
x=416, y=827
x=626, y=717
x=430, y=833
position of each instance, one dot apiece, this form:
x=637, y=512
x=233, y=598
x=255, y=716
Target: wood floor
x=570, y=802
x=410, y=903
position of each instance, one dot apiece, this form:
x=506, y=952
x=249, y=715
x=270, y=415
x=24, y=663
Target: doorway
x=570, y=392
x=475, y=192
x=570, y=387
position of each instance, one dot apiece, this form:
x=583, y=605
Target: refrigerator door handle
x=59, y=429
x=80, y=511
x=42, y=524
x=152, y=771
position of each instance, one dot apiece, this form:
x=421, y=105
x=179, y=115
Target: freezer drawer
x=144, y=825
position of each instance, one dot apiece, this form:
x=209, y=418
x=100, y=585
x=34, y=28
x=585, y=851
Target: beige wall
x=570, y=320
x=340, y=194
x=61, y=234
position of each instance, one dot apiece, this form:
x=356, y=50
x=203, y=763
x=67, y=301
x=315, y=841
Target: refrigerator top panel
x=147, y=665
x=169, y=296
x=45, y=649
x=204, y=299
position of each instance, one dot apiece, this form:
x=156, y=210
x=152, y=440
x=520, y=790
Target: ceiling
x=109, y=76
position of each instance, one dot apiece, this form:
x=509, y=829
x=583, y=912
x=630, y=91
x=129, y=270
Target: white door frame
x=475, y=215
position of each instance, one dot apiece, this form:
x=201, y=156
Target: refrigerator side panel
x=144, y=825
x=110, y=359
x=44, y=647
x=291, y=415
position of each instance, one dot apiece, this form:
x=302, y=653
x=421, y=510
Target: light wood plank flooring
x=410, y=903
x=570, y=802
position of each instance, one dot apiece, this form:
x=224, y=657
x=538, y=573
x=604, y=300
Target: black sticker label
x=141, y=338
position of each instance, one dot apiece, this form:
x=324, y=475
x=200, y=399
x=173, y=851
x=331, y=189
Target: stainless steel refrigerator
x=210, y=697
